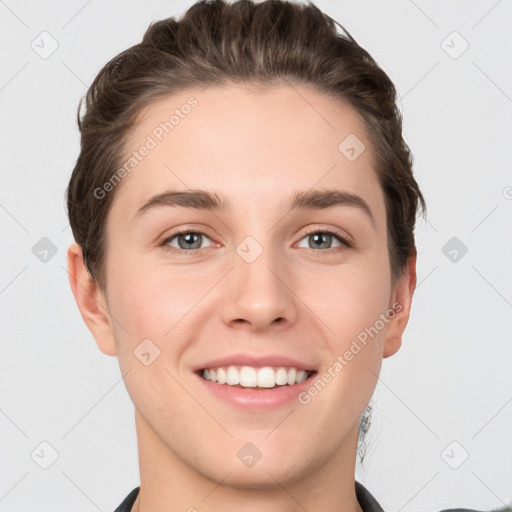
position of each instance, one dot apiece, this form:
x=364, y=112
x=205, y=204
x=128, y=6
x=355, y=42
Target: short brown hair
x=241, y=42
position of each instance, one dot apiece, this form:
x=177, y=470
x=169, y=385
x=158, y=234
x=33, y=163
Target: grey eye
x=321, y=240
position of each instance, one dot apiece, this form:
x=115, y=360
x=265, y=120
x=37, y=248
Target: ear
x=402, y=299
x=91, y=301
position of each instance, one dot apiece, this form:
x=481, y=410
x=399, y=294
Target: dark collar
x=366, y=500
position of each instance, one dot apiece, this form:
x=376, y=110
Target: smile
x=252, y=377
x=253, y=389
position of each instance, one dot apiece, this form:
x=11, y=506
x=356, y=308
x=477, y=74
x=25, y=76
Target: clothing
x=128, y=502
x=366, y=500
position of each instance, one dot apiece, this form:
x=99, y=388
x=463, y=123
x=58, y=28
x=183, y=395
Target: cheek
x=150, y=301
x=351, y=305
x=142, y=305
x=349, y=300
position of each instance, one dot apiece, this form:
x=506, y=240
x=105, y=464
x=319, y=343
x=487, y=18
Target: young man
x=243, y=208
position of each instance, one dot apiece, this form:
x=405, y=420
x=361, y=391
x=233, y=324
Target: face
x=258, y=281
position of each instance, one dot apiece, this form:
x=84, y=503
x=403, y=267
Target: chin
x=263, y=478
x=269, y=472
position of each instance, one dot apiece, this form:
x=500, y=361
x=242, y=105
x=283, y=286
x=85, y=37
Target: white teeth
x=249, y=377
x=266, y=378
x=281, y=377
x=233, y=376
x=221, y=376
x=301, y=376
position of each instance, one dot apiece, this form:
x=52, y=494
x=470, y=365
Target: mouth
x=255, y=382
x=256, y=378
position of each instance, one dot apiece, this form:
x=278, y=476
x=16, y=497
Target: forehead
x=251, y=144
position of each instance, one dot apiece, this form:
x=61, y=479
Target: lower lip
x=256, y=399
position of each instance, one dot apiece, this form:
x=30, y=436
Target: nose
x=259, y=295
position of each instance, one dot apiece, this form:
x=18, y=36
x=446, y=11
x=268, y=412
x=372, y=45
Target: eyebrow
x=205, y=200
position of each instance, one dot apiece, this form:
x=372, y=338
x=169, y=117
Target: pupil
x=189, y=238
x=318, y=237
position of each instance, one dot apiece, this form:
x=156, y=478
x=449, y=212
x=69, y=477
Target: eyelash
x=337, y=234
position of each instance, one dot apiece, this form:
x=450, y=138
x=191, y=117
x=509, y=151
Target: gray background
x=451, y=382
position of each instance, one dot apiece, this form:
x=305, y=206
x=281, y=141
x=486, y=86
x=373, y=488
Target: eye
x=322, y=238
x=190, y=241
x=186, y=240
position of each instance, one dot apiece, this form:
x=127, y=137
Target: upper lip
x=256, y=361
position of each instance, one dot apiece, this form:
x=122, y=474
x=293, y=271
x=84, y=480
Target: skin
x=256, y=147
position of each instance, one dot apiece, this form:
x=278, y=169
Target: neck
x=168, y=483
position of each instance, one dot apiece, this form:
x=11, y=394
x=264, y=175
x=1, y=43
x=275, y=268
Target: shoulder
x=506, y=508
x=370, y=504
